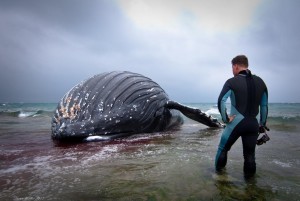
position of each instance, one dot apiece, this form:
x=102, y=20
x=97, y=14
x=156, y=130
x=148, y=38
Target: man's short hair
x=240, y=60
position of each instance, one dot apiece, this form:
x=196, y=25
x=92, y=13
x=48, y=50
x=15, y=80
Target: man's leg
x=249, y=143
x=228, y=138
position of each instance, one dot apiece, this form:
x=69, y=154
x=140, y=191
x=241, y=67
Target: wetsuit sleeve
x=225, y=93
x=264, y=109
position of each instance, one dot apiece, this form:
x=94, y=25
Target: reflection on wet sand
x=230, y=188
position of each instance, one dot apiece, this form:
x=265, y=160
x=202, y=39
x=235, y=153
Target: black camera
x=263, y=139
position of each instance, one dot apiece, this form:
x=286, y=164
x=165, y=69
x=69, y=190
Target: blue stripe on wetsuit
x=264, y=109
x=230, y=126
x=222, y=108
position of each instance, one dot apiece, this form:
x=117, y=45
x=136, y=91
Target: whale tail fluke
x=195, y=114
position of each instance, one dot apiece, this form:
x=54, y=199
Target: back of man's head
x=240, y=60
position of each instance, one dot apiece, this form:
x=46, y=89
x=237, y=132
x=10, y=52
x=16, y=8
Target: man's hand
x=263, y=129
x=231, y=118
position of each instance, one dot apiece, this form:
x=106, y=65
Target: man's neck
x=245, y=72
x=242, y=68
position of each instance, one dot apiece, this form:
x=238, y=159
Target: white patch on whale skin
x=62, y=127
x=86, y=96
x=95, y=138
x=134, y=106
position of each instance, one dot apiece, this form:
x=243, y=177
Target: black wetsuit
x=249, y=96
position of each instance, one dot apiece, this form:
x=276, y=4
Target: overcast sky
x=47, y=47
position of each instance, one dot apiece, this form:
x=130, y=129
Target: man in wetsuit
x=249, y=96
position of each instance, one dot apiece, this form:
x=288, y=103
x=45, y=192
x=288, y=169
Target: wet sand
x=174, y=165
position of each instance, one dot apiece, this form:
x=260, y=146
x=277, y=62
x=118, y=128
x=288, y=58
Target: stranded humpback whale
x=116, y=104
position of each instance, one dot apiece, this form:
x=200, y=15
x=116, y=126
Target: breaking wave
x=24, y=110
x=24, y=114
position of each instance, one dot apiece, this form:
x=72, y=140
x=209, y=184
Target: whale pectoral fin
x=195, y=114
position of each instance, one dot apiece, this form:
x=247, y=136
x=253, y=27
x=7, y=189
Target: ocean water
x=172, y=165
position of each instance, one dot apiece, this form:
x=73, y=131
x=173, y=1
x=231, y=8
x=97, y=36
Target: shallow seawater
x=173, y=165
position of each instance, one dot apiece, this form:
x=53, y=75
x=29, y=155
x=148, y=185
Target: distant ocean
x=171, y=165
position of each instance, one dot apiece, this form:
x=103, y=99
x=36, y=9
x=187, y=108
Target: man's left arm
x=225, y=93
x=264, y=109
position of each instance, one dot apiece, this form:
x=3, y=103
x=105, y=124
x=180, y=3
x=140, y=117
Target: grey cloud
x=46, y=47
x=276, y=32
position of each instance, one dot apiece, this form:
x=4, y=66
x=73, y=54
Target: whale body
x=116, y=104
